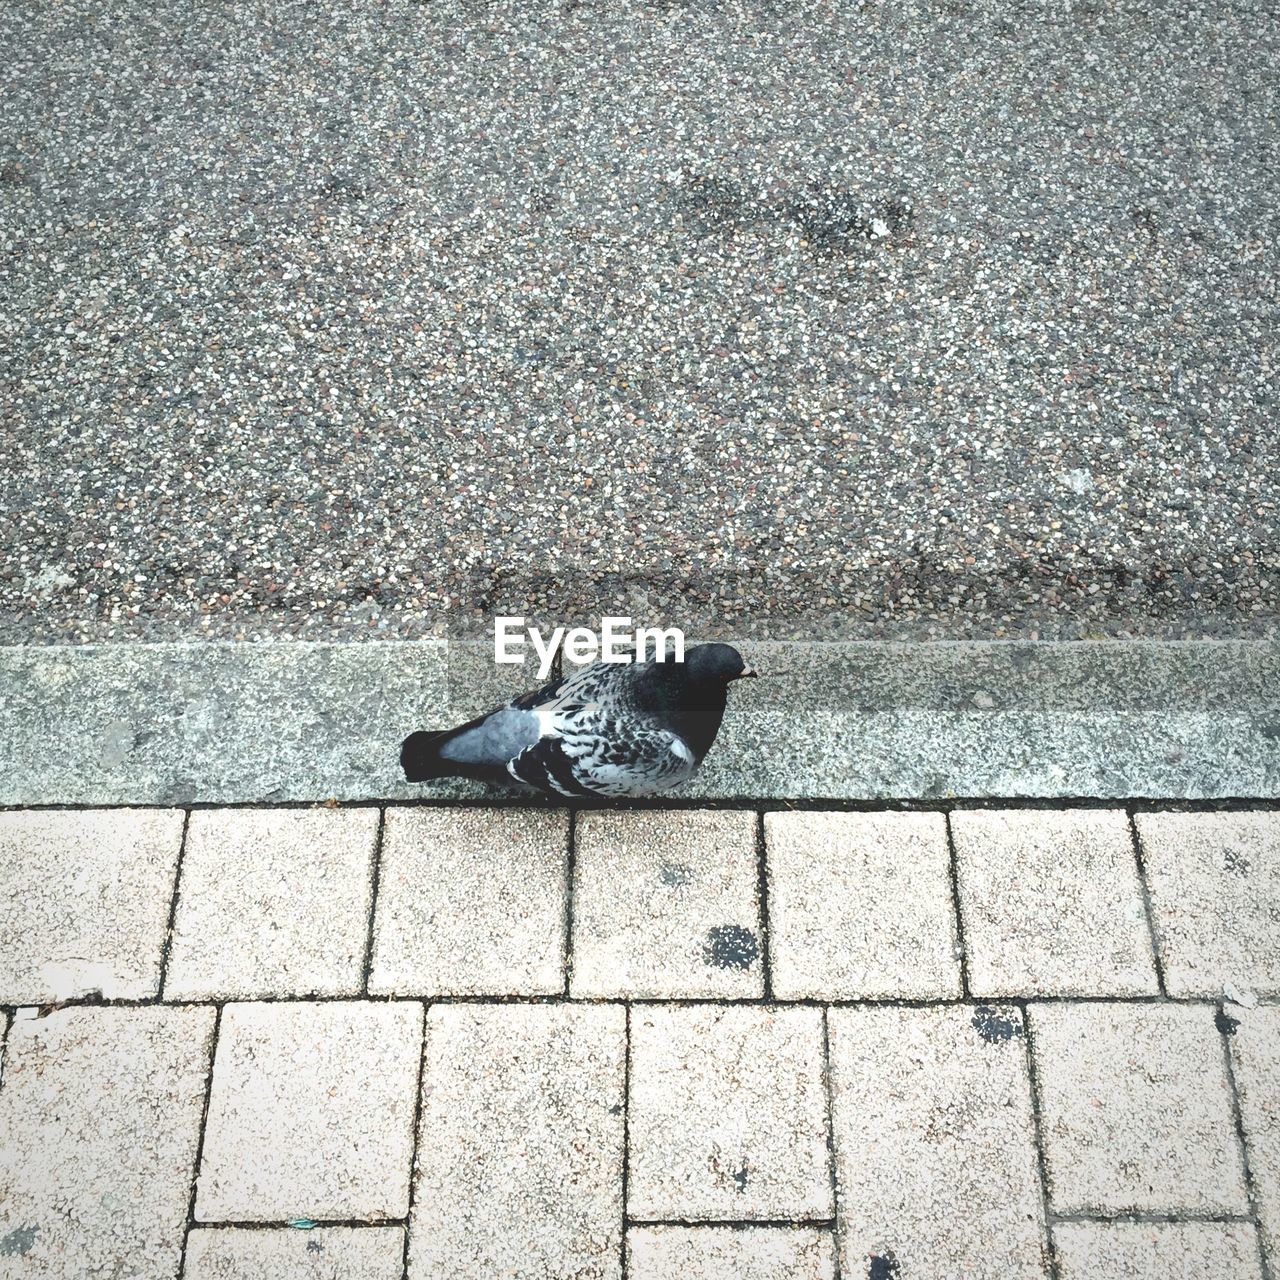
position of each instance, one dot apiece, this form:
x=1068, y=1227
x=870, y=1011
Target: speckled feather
x=599, y=740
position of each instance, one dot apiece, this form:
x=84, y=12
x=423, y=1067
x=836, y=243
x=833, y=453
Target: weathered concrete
x=1255, y=1052
x=311, y=1112
x=521, y=1143
x=727, y=1116
x=168, y=724
x=1215, y=899
x=175, y=723
x=84, y=902
x=322, y=1253
x=273, y=902
x=1051, y=903
x=1140, y=1250
x=471, y=902
x=746, y=1253
x=721, y=1139
x=1135, y=1110
x=935, y=1144
x=860, y=906
x=99, y=1124
x=667, y=904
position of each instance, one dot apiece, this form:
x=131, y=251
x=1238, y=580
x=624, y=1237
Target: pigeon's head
x=715, y=664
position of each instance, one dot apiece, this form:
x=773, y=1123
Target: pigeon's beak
x=747, y=671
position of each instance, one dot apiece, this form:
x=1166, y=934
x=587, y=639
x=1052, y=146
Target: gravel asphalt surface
x=339, y=319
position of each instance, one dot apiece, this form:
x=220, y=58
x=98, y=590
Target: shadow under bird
x=610, y=729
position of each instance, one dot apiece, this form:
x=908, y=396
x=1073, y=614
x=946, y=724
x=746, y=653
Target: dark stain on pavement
x=18, y=1242
x=834, y=222
x=729, y=946
x=710, y=204
x=1234, y=860
x=995, y=1026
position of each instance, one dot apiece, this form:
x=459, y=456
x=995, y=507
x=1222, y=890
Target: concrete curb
x=237, y=723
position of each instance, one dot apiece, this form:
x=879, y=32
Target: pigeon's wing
x=598, y=756
x=499, y=736
x=601, y=682
x=597, y=742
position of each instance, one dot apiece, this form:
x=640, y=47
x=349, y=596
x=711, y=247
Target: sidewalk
x=476, y=1042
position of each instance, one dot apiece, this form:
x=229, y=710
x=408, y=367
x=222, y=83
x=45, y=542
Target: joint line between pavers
x=832, y=1171
x=95, y=1001
x=1151, y=1217
x=1037, y=1135
x=762, y=891
x=167, y=945
x=570, y=873
x=1153, y=929
x=199, y=1156
x=417, y=1129
x=737, y=1224
x=626, y=1139
x=962, y=945
x=375, y=882
x=316, y=1224
x=1237, y=1118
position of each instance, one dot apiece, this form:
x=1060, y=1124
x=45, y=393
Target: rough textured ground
x=252, y=723
x=835, y=1115
x=926, y=319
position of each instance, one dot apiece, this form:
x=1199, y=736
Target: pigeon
x=608, y=730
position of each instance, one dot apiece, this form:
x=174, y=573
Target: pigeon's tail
x=478, y=749
x=420, y=757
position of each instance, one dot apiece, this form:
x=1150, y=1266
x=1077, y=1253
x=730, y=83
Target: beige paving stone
x=1215, y=899
x=860, y=906
x=935, y=1146
x=1255, y=1052
x=744, y=1253
x=311, y=1112
x=84, y=902
x=727, y=1116
x=99, y=1121
x=1051, y=903
x=1156, y=1251
x=1135, y=1109
x=519, y=1170
x=285, y=1253
x=273, y=902
x=471, y=902
x=666, y=903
